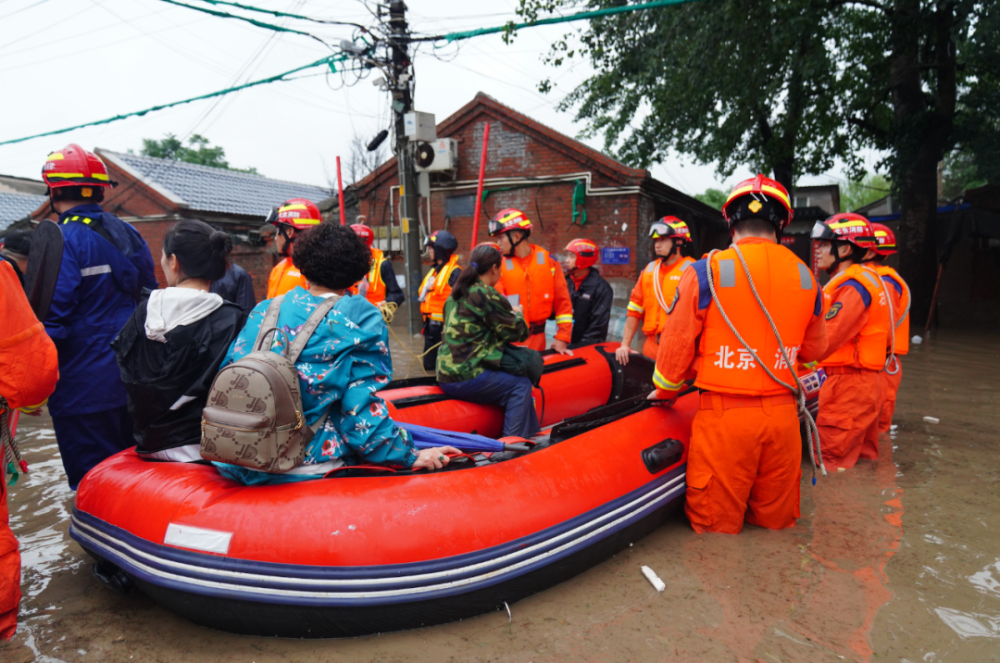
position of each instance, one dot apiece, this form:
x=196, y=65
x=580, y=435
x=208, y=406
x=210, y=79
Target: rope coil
x=815, y=451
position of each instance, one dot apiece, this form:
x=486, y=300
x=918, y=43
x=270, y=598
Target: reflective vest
x=434, y=290
x=284, y=277
x=535, y=287
x=902, y=316
x=654, y=315
x=372, y=287
x=789, y=292
x=868, y=348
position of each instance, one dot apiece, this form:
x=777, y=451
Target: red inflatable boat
x=370, y=553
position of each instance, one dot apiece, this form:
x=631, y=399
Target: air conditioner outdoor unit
x=436, y=156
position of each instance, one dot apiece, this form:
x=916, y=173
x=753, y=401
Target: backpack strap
x=270, y=323
x=299, y=344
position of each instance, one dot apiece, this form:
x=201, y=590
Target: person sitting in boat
x=171, y=348
x=478, y=322
x=342, y=366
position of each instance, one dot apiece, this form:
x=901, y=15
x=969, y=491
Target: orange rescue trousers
x=10, y=571
x=850, y=404
x=890, y=387
x=744, y=463
x=650, y=347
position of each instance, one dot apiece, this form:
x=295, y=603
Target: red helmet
x=586, y=252
x=298, y=213
x=509, y=219
x=847, y=227
x=75, y=166
x=364, y=232
x=760, y=198
x=885, y=238
x=670, y=227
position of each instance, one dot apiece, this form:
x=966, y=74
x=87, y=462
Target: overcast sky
x=66, y=62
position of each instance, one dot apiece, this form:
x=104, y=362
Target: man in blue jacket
x=105, y=265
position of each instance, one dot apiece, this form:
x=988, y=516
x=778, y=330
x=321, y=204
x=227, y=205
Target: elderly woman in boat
x=342, y=366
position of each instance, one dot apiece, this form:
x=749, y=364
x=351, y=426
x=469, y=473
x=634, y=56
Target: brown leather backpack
x=254, y=416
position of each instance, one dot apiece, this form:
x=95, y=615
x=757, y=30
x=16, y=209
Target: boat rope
x=11, y=456
x=657, y=289
x=815, y=451
x=388, y=310
x=892, y=359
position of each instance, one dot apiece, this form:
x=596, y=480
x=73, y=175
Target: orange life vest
x=868, y=348
x=790, y=294
x=284, y=277
x=434, y=290
x=654, y=315
x=902, y=316
x=535, y=287
x=372, y=286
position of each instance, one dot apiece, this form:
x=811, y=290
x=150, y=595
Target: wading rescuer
x=295, y=216
x=435, y=289
x=529, y=275
x=379, y=285
x=105, y=265
x=746, y=450
x=591, y=295
x=656, y=286
x=899, y=298
x=857, y=331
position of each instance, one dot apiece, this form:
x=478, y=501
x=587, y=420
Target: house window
x=801, y=201
x=456, y=206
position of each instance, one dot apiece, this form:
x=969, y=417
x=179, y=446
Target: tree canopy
x=197, y=151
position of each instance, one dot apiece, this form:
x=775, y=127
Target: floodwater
x=896, y=560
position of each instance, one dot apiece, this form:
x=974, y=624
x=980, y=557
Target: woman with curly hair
x=342, y=366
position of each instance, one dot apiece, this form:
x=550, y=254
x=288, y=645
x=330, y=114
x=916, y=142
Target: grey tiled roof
x=16, y=206
x=217, y=190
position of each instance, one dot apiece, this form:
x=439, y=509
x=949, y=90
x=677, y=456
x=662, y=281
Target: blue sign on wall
x=615, y=255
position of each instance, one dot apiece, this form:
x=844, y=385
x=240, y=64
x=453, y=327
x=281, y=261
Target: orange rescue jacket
x=868, y=348
x=901, y=312
x=539, y=282
x=30, y=366
x=284, y=277
x=643, y=302
x=434, y=290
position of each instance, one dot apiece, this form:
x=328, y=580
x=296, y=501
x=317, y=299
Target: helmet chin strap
x=835, y=252
x=513, y=244
x=287, y=249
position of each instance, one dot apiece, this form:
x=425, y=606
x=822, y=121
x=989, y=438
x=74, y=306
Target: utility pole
x=402, y=102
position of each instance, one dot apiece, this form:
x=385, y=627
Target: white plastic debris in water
x=916, y=340
x=932, y=420
x=653, y=579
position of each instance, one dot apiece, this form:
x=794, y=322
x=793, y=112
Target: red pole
x=479, y=189
x=340, y=194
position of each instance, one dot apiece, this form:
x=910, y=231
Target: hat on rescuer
x=758, y=198
x=364, y=232
x=846, y=227
x=75, y=166
x=586, y=252
x=509, y=219
x=442, y=239
x=298, y=213
x=885, y=239
x=670, y=227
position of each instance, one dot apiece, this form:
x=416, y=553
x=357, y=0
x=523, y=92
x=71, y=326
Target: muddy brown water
x=896, y=560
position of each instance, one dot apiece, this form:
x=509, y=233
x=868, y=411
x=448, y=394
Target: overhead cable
x=275, y=12
x=252, y=21
x=327, y=61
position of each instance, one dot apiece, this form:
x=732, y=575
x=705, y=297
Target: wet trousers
x=850, y=404
x=432, y=336
x=10, y=571
x=87, y=439
x=890, y=386
x=511, y=392
x=650, y=347
x=744, y=464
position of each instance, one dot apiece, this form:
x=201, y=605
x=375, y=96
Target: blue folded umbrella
x=425, y=438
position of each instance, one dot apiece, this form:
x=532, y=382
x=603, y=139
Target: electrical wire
x=252, y=21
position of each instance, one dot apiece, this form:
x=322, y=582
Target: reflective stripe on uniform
x=727, y=273
x=564, y=319
x=94, y=271
x=540, y=258
x=632, y=306
x=805, y=277
x=665, y=384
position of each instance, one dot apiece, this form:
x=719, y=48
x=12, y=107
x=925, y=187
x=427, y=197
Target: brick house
x=540, y=171
x=152, y=194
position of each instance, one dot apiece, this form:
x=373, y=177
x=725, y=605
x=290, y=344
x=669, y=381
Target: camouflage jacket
x=475, y=331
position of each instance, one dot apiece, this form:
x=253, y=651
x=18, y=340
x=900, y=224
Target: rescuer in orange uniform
x=857, y=331
x=656, y=286
x=535, y=278
x=899, y=298
x=745, y=451
x=380, y=285
x=292, y=218
x=29, y=369
x=435, y=289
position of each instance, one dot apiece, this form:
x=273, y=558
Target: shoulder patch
x=834, y=310
x=704, y=294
